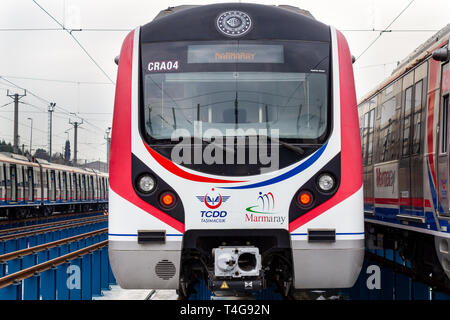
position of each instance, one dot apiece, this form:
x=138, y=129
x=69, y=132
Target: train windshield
x=237, y=87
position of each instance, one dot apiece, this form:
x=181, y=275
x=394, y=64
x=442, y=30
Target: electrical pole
x=16, y=97
x=31, y=136
x=108, y=144
x=75, y=124
x=51, y=108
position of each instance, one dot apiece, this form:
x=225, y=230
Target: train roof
x=22, y=160
x=16, y=158
x=191, y=23
x=421, y=53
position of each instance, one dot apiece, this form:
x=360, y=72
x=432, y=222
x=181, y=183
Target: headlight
x=326, y=182
x=146, y=183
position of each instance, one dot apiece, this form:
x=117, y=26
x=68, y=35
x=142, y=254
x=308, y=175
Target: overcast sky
x=83, y=88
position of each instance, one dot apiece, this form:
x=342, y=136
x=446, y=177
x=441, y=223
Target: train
x=404, y=137
x=235, y=155
x=38, y=188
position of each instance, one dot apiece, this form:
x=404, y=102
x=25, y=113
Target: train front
x=235, y=154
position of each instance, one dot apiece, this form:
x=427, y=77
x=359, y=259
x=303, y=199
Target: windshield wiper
x=287, y=145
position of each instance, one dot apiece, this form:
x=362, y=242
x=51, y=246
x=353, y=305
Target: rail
x=43, y=225
x=52, y=217
x=78, y=275
x=35, y=232
x=29, y=272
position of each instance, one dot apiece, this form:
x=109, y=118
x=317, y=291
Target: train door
x=52, y=186
x=444, y=135
x=417, y=145
x=13, y=177
x=70, y=186
x=75, y=186
x=24, y=184
x=2, y=184
x=46, y=184
x=30, y=184
x=410, y=191
x=63, y=186
x=367, y=133
x=83, y=186
x=92, y=187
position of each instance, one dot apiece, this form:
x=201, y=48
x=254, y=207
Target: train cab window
x=262, y=95
x=417, y=117
x=444, y=126
x=407, y=121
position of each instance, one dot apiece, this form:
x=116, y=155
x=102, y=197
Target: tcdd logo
x=213, y=214
x=213, y=201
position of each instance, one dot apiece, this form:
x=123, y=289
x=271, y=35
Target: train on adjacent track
x=39, y=188
x=405, y=142
x=199, y=75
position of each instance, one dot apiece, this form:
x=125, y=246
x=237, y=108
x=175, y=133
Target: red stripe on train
x=174, y=169
x=120, y=159
x=351, y=159
x=414, y=202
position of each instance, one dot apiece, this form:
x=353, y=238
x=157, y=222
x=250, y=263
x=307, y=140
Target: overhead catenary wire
x=68, y=112
x=57, y=80
x=384, y=30
x=76, y=40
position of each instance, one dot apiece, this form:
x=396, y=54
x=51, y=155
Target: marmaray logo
x=264, y=210
x=213, y=201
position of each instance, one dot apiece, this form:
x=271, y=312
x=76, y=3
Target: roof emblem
x=234, y=23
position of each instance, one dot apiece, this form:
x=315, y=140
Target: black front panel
x=153, y=198
x=334, y=169
x=264, y=239
x=268, y=22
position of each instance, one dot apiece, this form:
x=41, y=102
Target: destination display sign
x=242, y=53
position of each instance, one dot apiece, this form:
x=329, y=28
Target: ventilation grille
x=165, y=269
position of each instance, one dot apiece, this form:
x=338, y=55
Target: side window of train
x=444, y=125
x=407, y=121
x=370, y=136
x=387, y=123
x=365, y=129
x=417, y=117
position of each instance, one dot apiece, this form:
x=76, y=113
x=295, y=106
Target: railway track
x=52, y=217
x=44, y=225
x=47, y=265
x=32, y=250
x=52, y=228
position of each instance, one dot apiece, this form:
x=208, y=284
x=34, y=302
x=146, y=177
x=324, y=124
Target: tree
x=6, y=147
x=42, y=154
x=67, y=152
x=58, y=158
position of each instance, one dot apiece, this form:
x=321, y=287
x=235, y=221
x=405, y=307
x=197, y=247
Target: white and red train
x=405, y=142
x=194, y=73
x=39, y=188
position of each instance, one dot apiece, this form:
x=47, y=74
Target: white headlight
x=326, y=182
x=146, y=183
